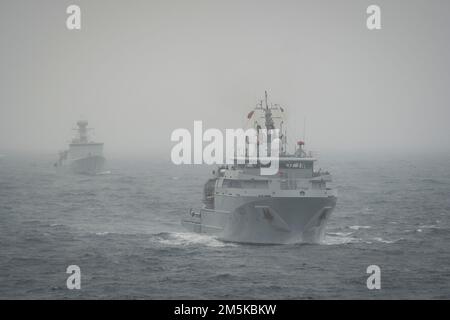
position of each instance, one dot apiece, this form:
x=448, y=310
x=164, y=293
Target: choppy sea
x=123, y=230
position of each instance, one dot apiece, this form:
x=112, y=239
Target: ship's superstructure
x=291, y=206
x=83, y=156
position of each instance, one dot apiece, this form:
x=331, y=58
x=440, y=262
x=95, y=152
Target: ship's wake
x=189, y=239
x=339, y=238
x=335, y=238
x=103, y=173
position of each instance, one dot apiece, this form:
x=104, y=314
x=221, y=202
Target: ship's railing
x=320, y=173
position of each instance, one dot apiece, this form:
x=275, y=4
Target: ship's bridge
x=289, y=167
x=288, y=161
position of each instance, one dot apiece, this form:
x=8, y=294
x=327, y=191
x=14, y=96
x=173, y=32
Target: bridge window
x=296, y=164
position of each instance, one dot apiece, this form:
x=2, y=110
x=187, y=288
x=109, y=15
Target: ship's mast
x=269, y=123
x=83, y=131
x=268, y=116
x=269, y=126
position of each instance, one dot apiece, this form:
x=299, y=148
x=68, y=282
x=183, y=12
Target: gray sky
x=140, y=69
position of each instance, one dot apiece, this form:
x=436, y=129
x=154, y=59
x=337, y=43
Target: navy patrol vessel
x=83, y=156
x=291, y=206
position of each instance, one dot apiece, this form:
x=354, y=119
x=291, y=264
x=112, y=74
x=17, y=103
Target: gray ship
x=83, y=156
x=241, y=205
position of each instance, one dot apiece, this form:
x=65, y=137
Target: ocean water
x=123, y=230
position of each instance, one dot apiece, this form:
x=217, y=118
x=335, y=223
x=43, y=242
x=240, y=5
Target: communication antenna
x=304, y=129
x=267, y=106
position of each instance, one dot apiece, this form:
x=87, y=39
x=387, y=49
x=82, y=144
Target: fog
x=137, y=70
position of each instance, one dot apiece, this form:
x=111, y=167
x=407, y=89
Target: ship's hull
x=88, y=165
x=268, y=220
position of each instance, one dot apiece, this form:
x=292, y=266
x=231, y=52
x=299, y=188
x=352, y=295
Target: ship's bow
x=280, y=220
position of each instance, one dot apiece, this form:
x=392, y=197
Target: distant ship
x=83, y=156
x=241, y=205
